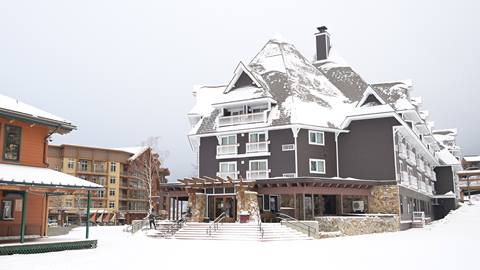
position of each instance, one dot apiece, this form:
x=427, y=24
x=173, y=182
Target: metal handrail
x=288, y=219
x=259, y=223
x=215, y=223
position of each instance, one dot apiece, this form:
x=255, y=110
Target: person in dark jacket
x=151, y=219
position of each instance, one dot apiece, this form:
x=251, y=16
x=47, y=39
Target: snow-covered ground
x=446, y=244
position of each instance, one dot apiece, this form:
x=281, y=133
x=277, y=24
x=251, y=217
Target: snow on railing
x=413, y=181
x=263, y=174
x=405, y=178
x=224, y=175
x=230, y=149
x=411, y=158
x=402, y=150
x=420, y=165
x=242, y=119
x=253, y=147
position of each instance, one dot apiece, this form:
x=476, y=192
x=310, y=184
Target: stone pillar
x=384, y=200
x=197, y=202
x=247, y=201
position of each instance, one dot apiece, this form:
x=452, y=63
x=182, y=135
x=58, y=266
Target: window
x=228, y=166
x=11, y=147
x=257, y=137
x=266, y=204
x=70, y=163
x=69, y=204
x=316, y=137
x=288, y=147
x=7, y=209
x=83, y=165
x=257, y=108
x=101, y=180
x=258, y=165
x=111, y=204
x=111, y=192
x=289, y=175
x=113, y=166
x=317, y=166
x=112, y=179
x=228, y=140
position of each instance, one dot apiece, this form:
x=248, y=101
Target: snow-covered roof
x=447, y=158
x=17, y=108
x=396, y=94
x=27, y=175
x=472, y=158
x=136, y=151
x=300, y=91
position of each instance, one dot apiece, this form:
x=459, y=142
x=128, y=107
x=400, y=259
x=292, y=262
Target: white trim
x=257, y=160
x=315, y=143
x=295, y=135
x=238, y=71
x=245, y=130
x=246, y=155
x=258, y=132
x=288, y=147
x=336, y=149
x=368, y=92
x=227, y=163
x=219, y=138
x=317, y=160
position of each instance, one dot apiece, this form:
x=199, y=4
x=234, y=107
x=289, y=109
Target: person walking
x=151, y=219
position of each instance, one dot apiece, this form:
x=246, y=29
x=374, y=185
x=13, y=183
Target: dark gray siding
x=444, y=182
x=307, y=151
x=279, y=162
x=367, y=152
x=208, y=165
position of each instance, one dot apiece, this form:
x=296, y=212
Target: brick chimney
x=323, y=43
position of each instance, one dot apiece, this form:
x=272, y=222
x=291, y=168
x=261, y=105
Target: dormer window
x=246, y=114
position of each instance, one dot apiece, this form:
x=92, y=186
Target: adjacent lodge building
x=123, y=172
x=312, y=139
x=26, y=182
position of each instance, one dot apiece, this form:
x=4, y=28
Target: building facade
x=121, y=171
x=25, y=181
x=308, y=139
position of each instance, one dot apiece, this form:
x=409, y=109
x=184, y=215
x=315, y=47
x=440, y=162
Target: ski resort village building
x=25, y=181
x=311, y=139
x=123, y=172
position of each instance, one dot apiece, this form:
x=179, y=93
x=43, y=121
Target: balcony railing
x=412, y=160
x=224, y=175
x=230, y=149
x=405, y=178
x=413, y=181
x=402, y=151
x=420, y=165
x=242, y=119
x=254, y=147
x=257, y=174
x=422, y=186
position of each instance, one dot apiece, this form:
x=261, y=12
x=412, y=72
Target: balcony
x=404, y=178
x=413, y=182
x=422, y=186
x=255, y=147
x=241, y=119
x=412, y=160
x=420, y=165
x=402, y=151
x=225, y=175
x=257, y=174
x=229, y=149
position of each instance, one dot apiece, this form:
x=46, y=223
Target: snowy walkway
x=444, y=245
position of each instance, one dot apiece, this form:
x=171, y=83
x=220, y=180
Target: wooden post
x=87, y=221
x=341, y=204
x=24, y=216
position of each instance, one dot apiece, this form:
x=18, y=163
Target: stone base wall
x=359, y=225
x=384, y=200
x=197, y=202
x=247, y=201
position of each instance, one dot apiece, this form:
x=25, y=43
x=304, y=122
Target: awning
x=37, y=176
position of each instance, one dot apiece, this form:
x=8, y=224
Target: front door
x=219, y=204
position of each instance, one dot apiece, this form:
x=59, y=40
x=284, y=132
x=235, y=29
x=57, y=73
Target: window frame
x=111, y=193
x=5, y=143
x=310, y=132
x=258, y=160
x=227, y=136
x=12, y=211
x=317, y=160
x=257, y=134
x=114, y=180
x=71, y=162
x=228, y=165
x=113, y=167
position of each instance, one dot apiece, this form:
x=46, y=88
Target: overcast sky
x=123, y=71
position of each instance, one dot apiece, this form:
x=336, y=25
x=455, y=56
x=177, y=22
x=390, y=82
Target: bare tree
x=146, y=168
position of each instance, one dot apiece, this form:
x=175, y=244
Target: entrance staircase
x=240, y=232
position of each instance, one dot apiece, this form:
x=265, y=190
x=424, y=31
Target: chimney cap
x=322, y=29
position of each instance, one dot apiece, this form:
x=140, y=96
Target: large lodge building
x=311, y=139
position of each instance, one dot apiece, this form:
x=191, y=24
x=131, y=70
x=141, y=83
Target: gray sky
x=123, y=70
